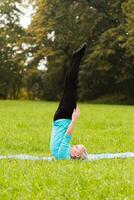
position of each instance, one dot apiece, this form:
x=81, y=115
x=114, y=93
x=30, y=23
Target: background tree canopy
x=57, y=29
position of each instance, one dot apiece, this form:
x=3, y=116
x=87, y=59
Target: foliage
x=11, y=62
x=106, y=67
x=57, y=29
x=67, y=21
x=34, y=84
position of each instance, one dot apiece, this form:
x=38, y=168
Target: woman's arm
x=63, y=152
x=75, y=115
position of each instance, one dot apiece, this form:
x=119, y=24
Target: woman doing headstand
x=67, y=114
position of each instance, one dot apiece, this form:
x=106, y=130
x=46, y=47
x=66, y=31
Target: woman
x=67, y=114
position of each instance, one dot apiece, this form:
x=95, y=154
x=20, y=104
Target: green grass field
x=25, y=128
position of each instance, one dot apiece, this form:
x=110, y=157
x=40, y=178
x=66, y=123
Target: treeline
x=57, y=29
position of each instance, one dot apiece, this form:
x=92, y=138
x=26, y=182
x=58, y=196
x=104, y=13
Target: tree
x=11, y=63
x=128, y=45
x=104, y=71
x=58, y=28
x=69, y=21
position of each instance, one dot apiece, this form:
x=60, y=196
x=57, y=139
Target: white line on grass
x=90, y=157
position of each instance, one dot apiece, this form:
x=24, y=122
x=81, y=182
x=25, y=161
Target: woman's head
x=78, y=152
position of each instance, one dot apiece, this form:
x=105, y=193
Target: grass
x=25, y=128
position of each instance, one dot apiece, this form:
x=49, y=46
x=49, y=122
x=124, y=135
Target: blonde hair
x=82, y=156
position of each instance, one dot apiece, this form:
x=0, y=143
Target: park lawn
x=25, y=128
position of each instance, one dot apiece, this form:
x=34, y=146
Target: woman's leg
x=69, y=99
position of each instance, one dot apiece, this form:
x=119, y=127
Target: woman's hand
x=76, y=114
